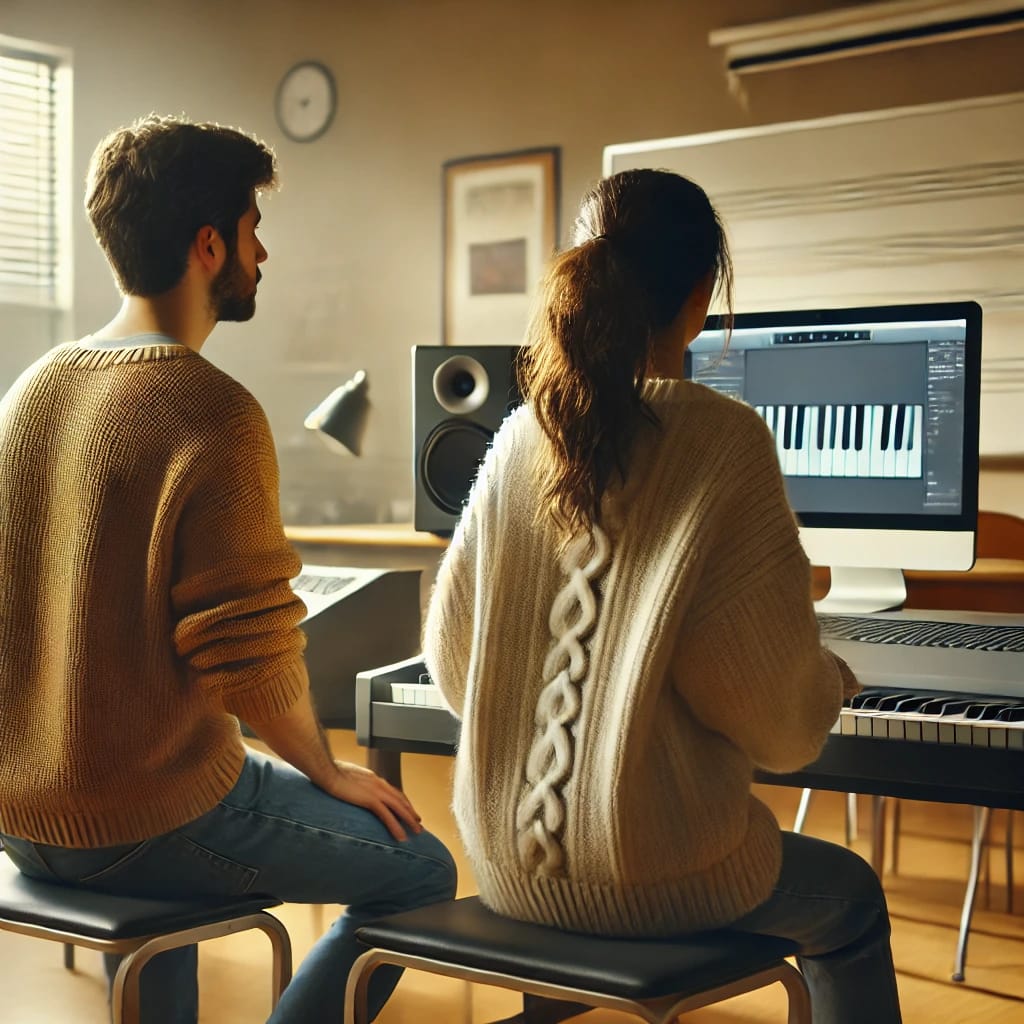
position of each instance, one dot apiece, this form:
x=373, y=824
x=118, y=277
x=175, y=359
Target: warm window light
x=341, y=417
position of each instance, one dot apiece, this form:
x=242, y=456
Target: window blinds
x=28, y=178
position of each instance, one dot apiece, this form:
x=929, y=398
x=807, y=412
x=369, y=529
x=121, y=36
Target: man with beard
x=146, y=601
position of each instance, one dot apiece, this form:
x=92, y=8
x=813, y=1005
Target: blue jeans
x=274, y=833
x=830, y=902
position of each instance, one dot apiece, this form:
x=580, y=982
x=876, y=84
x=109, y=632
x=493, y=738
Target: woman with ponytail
x=623, y=624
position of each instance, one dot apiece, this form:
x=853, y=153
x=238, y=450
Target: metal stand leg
x=386, y=763
x=69, y=956
x=802, y=809
x=981, y=816
x=896, y=822
x=1009, y=862
x=851, y=818
x=878, y=834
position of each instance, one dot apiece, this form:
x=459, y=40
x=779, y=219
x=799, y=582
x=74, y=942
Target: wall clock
x=305, y=101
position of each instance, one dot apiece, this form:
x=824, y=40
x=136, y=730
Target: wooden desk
x=994, y=584
x=367, y=536
x=372, y=546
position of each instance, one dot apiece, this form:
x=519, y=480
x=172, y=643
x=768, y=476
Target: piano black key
x=799, y=438
x=985, y=711
x=858, y=438
x=869, y=701
x=846, y=427
x=908, y=704
x=857, y=700
x=901, y=416
x=787, y=428
x=941, y=706
x=891, y=701
x=910, y=429
x=821, y=427
x=1015, y=713
x=832, y=430
x=886, y=424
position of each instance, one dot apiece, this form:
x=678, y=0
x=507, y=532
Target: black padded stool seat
x=657, y=980
x=136, y=928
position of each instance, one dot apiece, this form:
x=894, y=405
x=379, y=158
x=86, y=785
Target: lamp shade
x=342, y=416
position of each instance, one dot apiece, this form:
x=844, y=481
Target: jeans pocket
x=172, y=866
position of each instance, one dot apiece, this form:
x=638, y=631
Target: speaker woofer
x=449, y=462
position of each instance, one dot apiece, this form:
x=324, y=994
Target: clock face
x=305, y=101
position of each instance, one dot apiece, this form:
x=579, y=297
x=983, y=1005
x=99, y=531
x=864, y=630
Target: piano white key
x=780, y=427
x=825, y=462
x=876, y=440
x=813, y=452
x=889, y=443
x=789, y=463
x=838, y=453
x=803, y=441
x=863, y=413
x=850, y=452
x=914, y=456
x=902, y=462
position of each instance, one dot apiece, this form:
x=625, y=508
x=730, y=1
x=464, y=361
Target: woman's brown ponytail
x=642, y=242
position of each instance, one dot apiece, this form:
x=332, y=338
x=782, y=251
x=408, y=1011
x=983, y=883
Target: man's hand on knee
x=358, y=785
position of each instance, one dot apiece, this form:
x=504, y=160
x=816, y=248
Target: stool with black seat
x=657, y=980
x=138, y=929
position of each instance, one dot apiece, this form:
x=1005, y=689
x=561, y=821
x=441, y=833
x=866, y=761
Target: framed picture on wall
x=500, y=226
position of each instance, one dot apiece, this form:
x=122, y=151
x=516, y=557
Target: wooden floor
x=924, y=897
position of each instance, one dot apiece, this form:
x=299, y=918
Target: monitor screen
x=874, y=411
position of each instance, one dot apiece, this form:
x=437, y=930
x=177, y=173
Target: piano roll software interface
x=869, y=408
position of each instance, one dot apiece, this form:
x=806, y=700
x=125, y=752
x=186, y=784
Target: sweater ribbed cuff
x=272, y=696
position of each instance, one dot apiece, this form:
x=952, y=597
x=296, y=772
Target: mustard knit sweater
x=144, y=595
x=615, y=700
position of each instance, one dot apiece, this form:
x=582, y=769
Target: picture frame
x=500, y=218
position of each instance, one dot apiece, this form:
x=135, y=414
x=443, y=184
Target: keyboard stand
x=388, y=730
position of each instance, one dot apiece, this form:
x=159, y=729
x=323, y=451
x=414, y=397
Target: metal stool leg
x=125, y=1004
x=981, y=816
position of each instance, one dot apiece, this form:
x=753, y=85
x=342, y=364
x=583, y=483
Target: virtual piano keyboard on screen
x=866, y=441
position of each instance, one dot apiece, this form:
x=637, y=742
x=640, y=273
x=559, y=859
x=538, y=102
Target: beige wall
x=355, y=231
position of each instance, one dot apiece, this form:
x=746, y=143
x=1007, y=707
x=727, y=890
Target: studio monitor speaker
x=460, y=395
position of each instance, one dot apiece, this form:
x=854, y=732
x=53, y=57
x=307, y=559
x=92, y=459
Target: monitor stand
x=861, y=591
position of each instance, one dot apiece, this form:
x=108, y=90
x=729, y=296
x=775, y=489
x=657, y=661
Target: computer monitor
x=875, y=416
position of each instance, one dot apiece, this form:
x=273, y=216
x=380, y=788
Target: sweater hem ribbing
x=698, y=901
x=183, y=800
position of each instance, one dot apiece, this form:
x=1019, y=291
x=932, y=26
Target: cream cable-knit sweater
x=144, y=596
x=615, y=701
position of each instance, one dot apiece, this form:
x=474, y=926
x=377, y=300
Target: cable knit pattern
x=541, y=812
x=144, y=594
x=639, y=729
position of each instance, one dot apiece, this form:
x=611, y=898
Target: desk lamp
x=341, y=417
